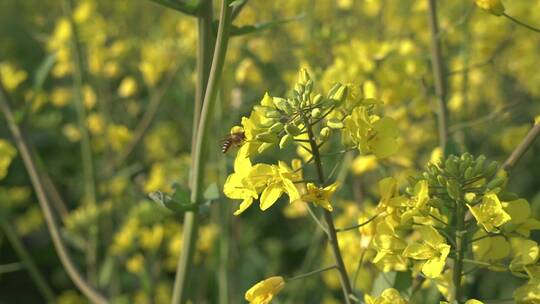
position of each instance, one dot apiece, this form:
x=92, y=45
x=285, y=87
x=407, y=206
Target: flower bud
x=309, y=86
x=491, y=169
x=453, y=189
x=333, y=89
x=479, y=165
x=441, y=179
x=276, y=128
x=285, y=141
x=280, y=103
x=469, y=197
x=451, y=166
x=272, y=114
x=334, y=123
x=468, y=173
x=316, y=113
x=317, y=99
x=303, y=77
x=496, y=182
x=299, y=89
x=264, y=147
x=325, y=133
x=340, y=94
x=507, y=196
x=292, y=130
x=266, y=137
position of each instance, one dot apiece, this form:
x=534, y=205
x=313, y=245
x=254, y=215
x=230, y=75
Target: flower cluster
x=458, y=210
x=307, y=120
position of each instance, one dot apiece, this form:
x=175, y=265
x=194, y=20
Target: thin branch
x=521, y=23
x=438, y=68
x=471, y=67
x=520, y=150
x=353, y=227
x=332, y=235
x=308, y=274
x=316, y=219
x=11, y=267
x=67, y=261
x=484, y=119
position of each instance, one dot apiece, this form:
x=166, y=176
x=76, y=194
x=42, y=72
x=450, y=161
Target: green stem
x=86, y=151
x=332, y=235
x=29, y=163
x=308, y=274
x=11, y=267
x=438, y=68
x=460, y=250
x=29, y=264
x=521, y=23
x=191, y=217
x=353, y=227
x=316, y=219
x=522, y=148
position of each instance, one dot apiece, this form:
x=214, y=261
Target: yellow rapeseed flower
x=135, y=264
x=264, y=291
x=432, y=249
x=11, y=76
x=128, y=87
x=528, y=293
x=388, y=296
x=320, y=196
x=490, y=213
x=494, y=7
x=7, y=153
x=95, y=123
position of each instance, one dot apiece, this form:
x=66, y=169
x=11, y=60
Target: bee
x=235, y=139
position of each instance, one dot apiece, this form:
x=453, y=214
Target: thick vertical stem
x=28, y=262
x=191, y=217
x=205, y=45
x=460, y=250
x=332, y=235
x=438, y=68
x=222, y=212
x=86, y=151
x=45, y=205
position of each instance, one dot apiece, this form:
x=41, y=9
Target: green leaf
x=211, y=193
x=178, y=203
x=43, y=71
x=181, y=194
x=187, y=7
x=383, y=281
x=236, y=3
x=106, y=271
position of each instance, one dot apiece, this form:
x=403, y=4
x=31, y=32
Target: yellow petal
x=270, y=195
x=244, y=205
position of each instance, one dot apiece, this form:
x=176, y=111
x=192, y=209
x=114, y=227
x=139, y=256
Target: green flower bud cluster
x=461, y=179
x=284, y=119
